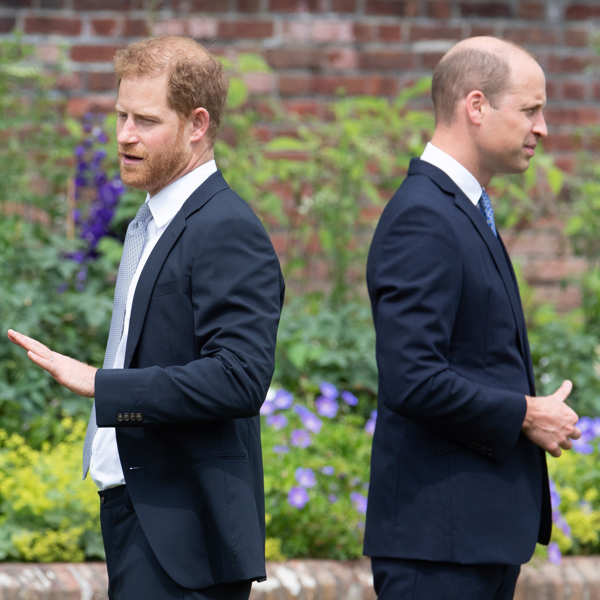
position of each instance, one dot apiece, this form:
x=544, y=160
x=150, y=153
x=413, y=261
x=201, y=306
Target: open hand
x=73, y=374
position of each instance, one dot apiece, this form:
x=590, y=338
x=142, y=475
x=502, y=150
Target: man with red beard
x=173, y=441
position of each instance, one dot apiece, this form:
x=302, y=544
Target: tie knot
x=485, y=206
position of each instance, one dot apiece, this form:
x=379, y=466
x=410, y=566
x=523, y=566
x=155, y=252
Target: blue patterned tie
x=485, y=206
x=135, y=239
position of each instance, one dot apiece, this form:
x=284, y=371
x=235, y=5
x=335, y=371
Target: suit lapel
x=494, y=245
x=153, y=266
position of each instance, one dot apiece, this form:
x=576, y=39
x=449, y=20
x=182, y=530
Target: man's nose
x=126, y=132
x=539, y=127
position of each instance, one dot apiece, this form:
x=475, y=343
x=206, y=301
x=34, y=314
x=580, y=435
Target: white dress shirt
x=105, y=465
x=461, y=176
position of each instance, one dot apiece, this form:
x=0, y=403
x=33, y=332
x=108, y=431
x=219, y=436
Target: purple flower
x=306, y=477
x=328, y=390
x=582, y=445
x=327, y=406
x=370, y=425
x=349, y=398
x=280, y=449
x=277, y=421
x=327, y=470
x=267, y=408
x=309, y=420
x=283, y=399
x=359, y=501
x=300, y=438
x=298, y=497
x=332, y=498
x=563, y=526
x=554, y=554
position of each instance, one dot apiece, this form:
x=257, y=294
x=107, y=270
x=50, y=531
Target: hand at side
x=549, y=422
x=73, y=374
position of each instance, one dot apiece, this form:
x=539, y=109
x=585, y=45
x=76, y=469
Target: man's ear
x=200, y=120
x=476, y=105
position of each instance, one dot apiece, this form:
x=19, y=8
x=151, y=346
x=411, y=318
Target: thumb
x=562, y=393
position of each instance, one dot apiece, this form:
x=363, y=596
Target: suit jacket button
x=119, y=417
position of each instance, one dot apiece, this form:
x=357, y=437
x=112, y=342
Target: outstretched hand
x=549, y=422
x=73, y=374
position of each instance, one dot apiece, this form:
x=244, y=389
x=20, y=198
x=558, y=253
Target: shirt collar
x=461, y=176
x=166, y=204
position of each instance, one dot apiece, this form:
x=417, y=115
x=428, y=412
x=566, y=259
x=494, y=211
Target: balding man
x=174, y=437
x=459, y=488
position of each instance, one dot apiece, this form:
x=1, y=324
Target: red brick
x=116, y=5
x=343, y=6
x=531, y=10
x=568, y=64
x=101, y=82
x=93, y=53
x=293, y=58
x=248, y=6
x=291, y=6
x=439, y=9
x=7, y=24
x=136, y=28
x=390, y=33
x=295, y=85
x=531, y=35
x=78, y=106
x=202, y=28
x=106, y=27
x=209, y=5
x=578, y=115
x=574, y=90
x=327, y=30
x=374, y=85
x=363, y=32
x=562, y=142
x=554, y=269
x=582, y=11
x=401, y=8
x=68, y=81
x=566, y=163
x=16, y=3
x=306, y=107
x=47, y=25
x=341, y=58
x=478, y=29
x=245, y=29
x=429, y=60
x=170, y=27
x=485, y=9
x=577, y=37
x=54, y=4
x=434, y=32
x=383, y=60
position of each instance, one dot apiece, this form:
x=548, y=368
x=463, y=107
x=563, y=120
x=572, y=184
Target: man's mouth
x=130, y=158
x=530, y=149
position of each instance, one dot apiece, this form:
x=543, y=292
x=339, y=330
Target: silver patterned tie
x=485, y=206
x=135, y=239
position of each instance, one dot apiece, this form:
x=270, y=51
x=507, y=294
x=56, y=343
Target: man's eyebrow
x=138, y=114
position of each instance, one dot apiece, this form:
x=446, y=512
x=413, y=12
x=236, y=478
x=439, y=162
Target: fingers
x=576, y=434
x=28, y=343
x=562, y=393
x=40, y=361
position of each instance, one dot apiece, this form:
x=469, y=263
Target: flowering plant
x=316, y=459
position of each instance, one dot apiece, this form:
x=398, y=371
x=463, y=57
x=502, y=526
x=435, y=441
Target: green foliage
x=330, y=524
x=46, y=512
x=316, y=343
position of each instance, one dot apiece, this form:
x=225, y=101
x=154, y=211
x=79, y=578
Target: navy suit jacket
x=453, y=478
x=199, y=360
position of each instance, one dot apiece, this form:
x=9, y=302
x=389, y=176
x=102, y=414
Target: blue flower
x=267, y=408
x=332, y=498
x=277, y=421
x=327, y=406
x=300, y=438
x=359, y=501
x=327, y=470
x=309, y=420
x=370, y=425
x=554, y=554
x=283, y=399
x=280, y=449
x=328, y=390
x=349, y=398
x=306, y=477
x=298, y=497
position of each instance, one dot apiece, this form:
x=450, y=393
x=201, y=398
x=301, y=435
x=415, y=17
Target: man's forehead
x=143, y=91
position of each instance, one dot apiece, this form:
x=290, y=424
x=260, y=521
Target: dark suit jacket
x=199, y=360
x=452, y=476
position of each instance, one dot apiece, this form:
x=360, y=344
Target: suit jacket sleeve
x=415, y=279
x=236, y=294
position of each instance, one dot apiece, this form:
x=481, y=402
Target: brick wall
x=318, y=46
